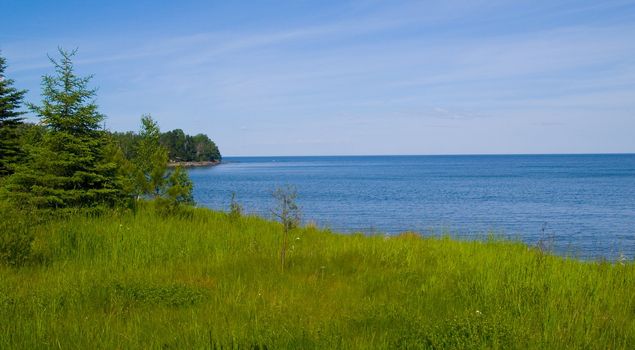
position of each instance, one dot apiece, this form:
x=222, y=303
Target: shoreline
x=194, y=164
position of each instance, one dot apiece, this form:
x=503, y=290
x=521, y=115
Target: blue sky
x=348, y=77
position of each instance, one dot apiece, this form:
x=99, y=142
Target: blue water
x=581, y=205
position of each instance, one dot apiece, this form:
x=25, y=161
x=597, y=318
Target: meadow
x=203, y=279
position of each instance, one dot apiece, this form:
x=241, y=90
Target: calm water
x=585, y=203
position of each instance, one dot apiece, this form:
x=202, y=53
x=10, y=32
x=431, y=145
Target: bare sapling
x=288, y=213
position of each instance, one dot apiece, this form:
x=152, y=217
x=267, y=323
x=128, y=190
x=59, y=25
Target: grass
x=125, y=281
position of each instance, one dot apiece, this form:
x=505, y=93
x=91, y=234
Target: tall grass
x=139, y=280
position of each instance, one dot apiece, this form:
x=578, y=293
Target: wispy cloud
x=375, y=68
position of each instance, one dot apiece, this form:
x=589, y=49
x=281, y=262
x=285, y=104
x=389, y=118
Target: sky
x=338, y=77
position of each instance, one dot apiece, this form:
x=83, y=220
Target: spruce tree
x=68, y=168
x=10, y=119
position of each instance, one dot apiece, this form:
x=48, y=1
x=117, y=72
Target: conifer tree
x=179, y=187
x=68, y=167
x=154, y=180
x=10, y=119
x=152, y=160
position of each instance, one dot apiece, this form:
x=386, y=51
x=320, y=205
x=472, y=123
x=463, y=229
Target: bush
x=169, y=208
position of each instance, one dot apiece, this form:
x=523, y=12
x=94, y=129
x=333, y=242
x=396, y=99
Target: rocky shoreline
x=193, y=164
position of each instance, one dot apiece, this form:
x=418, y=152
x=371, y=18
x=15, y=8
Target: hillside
x=204, y=280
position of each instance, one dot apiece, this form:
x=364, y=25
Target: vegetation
x=67, y=167
x=181, y=147
x=235, y=208
x=288, y=212
x=68, y=161
x=129, y=263
x=10, y=120
x=186, y=148
x=144, y=280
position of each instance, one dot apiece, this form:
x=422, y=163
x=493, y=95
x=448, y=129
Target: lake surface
x=583, y=205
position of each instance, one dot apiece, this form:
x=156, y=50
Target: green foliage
x=10, y=120
x=181, y=147
x=124, y=280
x=68, y=161
x=186, y=148
x=288, y=212
x=153, y=178
x=128, y=142
x=67, y=166
x=15, y=236
x=235, y=209
x=176, y=295
x=180, y=187
x=204, y=149
x=124, y=171
x=287, y=209
x=151, y=160
x=68, y=105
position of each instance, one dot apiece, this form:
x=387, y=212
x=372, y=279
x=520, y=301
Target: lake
x=581, y=205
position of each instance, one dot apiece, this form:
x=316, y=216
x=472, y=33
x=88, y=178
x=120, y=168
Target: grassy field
x=126, y=281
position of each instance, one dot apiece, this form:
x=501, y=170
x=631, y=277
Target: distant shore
x=194, y=164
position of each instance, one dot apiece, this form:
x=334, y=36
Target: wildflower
x=478, y=313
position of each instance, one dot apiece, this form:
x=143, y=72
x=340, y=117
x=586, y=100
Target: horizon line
x=431, y=155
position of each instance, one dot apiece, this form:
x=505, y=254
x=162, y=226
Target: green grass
x=126, y=281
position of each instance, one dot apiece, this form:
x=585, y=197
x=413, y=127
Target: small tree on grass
x=151, y=160
x=288, y=212
x=172, y=188
x=179, y=187
x=235, y=209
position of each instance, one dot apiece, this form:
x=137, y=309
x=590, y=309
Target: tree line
x=67, y=160
x=181, y=147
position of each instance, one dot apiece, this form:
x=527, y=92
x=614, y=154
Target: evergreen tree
x=152, y=160
x=10, y=120
x=204, y=148
x=175, y=142
x=154, y=180
x=69, y=166
x=181, y=147
x=128, y=141
x=125, y=170
x=180, y=187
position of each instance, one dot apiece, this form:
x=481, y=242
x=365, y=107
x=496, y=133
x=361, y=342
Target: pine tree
x=170, y=188
x=151, y=161
x=179, y=187
x=10, y=119
x=68, y=168
x=125, y=170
